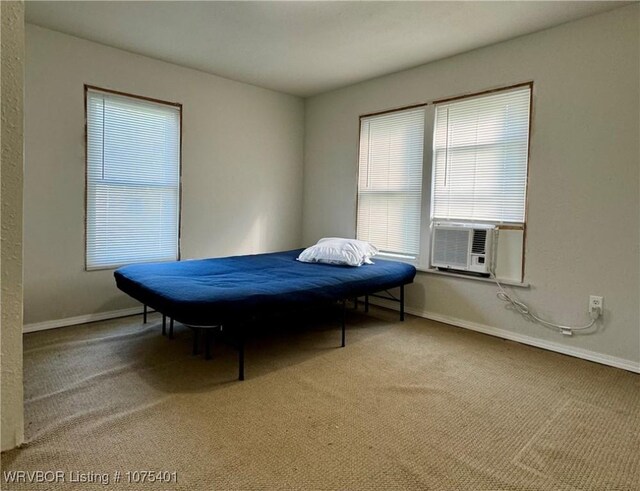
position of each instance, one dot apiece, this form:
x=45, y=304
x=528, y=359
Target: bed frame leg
x=343, y=315
x=401, y=303
x=196, y=335
x=207, y=344
x=366, y=303
x=164, y=325
x=144, y=314
x=241, y=355
x=171, y=328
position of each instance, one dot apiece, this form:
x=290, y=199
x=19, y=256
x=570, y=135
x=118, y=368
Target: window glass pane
x=390, y=181
x=481, y=147
x=133, y=180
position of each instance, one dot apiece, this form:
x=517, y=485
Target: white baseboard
x=81, y=319
x=613, y=361
x=594, y=356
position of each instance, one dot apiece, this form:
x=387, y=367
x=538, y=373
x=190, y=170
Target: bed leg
x=355, y=303
x=196, y=335
x=401, y=303
x=241, y=356
x=366, y=303
x=343, y=314
x=207, y=344
x=164, y=325
x=171, y=328
x=144, y=314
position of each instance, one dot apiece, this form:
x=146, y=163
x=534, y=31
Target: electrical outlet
x=595, y=303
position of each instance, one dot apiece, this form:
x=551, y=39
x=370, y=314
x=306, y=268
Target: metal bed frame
x=239, y=329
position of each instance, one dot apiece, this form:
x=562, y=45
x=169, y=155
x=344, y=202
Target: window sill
x=474, y=278
x=397, y=257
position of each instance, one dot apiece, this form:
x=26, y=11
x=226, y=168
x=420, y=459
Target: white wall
x=241, y=169
x=11, y=175
x=583, y=212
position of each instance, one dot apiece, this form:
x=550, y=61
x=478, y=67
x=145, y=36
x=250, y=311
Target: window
x=390, y=181
x=480, y=158
x=133, y=179
x=473, y=154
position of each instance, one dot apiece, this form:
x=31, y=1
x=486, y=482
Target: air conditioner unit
x=462, y=247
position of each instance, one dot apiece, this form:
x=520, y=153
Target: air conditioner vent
x=462, y=247
x=452, y=247
x=479, y=241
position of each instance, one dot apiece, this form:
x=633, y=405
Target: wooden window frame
x=529, y=84
x=178, y=105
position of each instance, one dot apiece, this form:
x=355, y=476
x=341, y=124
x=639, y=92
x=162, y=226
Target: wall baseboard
x=81, y=319
x=589, y=355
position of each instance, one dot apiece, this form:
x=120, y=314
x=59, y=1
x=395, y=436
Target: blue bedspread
x=212, y=291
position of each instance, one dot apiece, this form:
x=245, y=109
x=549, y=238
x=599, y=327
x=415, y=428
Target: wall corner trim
x=613, y=361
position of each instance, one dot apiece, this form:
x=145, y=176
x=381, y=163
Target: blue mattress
x=217, y=291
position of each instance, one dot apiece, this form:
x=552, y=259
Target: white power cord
x=526, y=312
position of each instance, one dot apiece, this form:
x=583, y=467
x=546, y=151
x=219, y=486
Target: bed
x=233, y=291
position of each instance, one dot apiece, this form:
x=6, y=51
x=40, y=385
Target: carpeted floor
x=413, y=405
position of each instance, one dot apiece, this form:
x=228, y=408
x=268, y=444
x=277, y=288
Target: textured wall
x=583, y=203
x=11, y=171
x=241, y=169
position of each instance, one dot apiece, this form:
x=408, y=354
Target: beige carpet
x=414, y=405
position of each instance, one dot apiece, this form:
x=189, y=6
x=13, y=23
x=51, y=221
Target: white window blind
x=133, y=180
x=390, y=181
x=481, y=149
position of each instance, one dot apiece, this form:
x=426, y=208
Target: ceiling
x=306, y=47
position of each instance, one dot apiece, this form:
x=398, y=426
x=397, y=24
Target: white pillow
x=333, y=250
x=366, y=248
